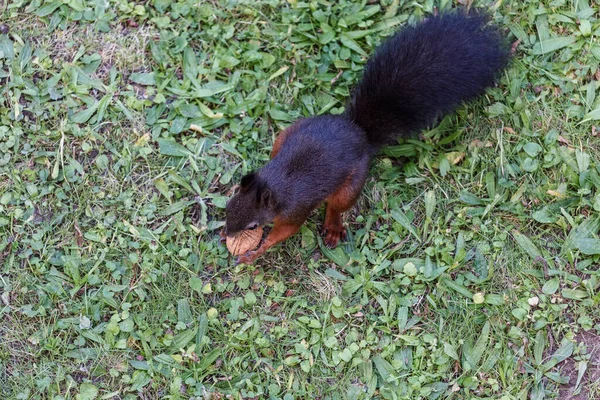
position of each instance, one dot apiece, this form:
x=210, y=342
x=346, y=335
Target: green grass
x=471, y=269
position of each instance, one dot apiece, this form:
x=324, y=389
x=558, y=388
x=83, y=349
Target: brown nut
x=244, y=241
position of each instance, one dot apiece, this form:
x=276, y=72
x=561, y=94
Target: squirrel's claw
x=247, y=258
x=333, y=235
x=222, y=236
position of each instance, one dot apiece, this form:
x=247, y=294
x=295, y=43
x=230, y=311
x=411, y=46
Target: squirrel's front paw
x=222, y=236
x=247, y=258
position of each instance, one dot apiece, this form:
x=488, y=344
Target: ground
x=470, y=270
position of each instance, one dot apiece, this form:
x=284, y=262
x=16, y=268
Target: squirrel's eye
x=252, y=226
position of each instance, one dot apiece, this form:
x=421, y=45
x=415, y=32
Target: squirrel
x=415, y=77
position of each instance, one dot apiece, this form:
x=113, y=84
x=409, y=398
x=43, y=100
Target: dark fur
x=253, y=205
x=415, y=77
x=424, y=72
x=310, y=165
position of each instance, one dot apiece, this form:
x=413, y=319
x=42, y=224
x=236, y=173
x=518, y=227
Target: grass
x=471, y=269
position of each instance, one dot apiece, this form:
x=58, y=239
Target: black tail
x=424, y=72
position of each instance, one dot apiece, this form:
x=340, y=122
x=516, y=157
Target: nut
x=244, y=241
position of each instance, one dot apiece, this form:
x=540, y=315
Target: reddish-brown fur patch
x=340, y=201
x=281, y=139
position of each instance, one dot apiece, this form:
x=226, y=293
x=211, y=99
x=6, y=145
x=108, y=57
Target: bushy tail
x=424, y=72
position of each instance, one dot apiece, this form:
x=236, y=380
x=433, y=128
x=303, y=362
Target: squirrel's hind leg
x=342, y=200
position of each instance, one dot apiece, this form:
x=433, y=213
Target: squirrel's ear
x=266, y=198
x=247, y=181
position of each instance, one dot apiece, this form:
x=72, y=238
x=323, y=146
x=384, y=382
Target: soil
x=591, y=376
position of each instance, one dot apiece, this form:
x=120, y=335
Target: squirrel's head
x=252, y=206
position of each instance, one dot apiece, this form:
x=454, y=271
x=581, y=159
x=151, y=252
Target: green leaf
x=403, y=220
x=196, y=284
x=219, y=201
x=83, y=354
x=450, y=351
x=497, y=109
x=146, y=79
x=84, y=115
x=7, y=49
x=229, y=148
x=190, y=111
x=87, y=391
x=139, y=380
x=190, y=64
x=551, y=286
x=48, y=8
x=176, y=207
x=162, y=187
x=588, y=246
x=402, y=318
x=25, y=56
x=519, y=313
x=384, y=368
x=595, y=50
x=410, y=340
x=280, y=71
x=184, y=313
x=430, y=203
x=526, y=244
x=335, y=274
x=552, y=44
x=574, y=294
x=84, y=79
x=182, y=339
x=583, y=160
x=337, y=255
x=494, y=299
x=202, y=329
x=530, y=164
x=209, y=359
x=330, y=342
x=410, y=269
x=280, y=115
x=352, y=44
x=250, y=298
x=351, y=286
x=564, y=352
x=470, y=199
x=585, y=27
x=581, y=233
x=597, y=202
x=581, y=368
x=169, y=147
x=481, y=265
x=532, y=149
x=444, y=165
x=346, y=355
x=545, y=215
x=458, y=288
x=102, y=106
x=480, y=346
x=540, y=345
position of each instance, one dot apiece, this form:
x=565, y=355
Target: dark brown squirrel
x=414, y=78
